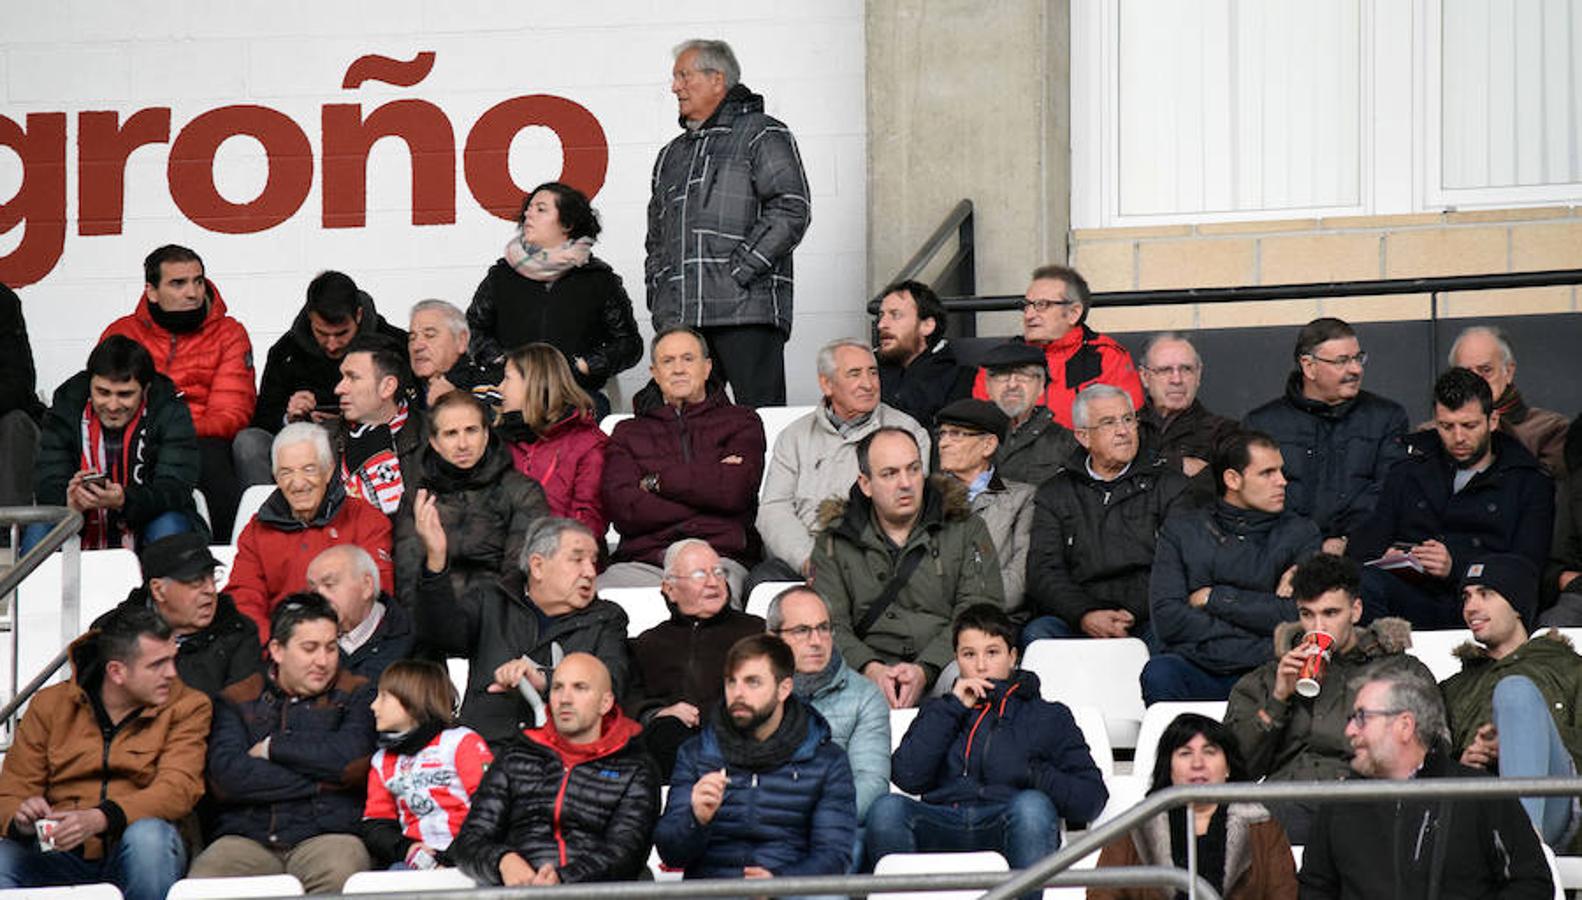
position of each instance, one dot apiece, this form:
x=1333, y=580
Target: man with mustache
x=1339, y=440
x=288, y=759
x=918, y=373
x=1173, y=423
x=897, y=561
x=1035, y=445
x=1465, y=491
x=574, y=801
x=513, y=630
x=1221, y=580
x=763, y=791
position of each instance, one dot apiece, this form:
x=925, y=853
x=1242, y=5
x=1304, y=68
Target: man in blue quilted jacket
x=762, y=791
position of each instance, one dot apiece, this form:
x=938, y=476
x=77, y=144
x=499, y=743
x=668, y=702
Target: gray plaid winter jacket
x=729, y=204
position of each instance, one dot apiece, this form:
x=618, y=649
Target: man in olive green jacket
x=1514, y=706
x=900, y=526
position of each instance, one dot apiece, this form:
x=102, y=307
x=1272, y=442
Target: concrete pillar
x=969, y=99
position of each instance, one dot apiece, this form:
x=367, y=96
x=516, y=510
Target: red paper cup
x=1311, y=679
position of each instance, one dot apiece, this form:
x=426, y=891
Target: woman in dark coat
x=550, y=288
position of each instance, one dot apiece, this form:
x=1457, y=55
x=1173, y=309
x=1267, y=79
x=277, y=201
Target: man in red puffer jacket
x=182, y=322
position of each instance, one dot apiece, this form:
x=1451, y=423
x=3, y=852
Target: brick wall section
x=1348, y=248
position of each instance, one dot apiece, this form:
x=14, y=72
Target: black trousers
x=751, y=359
x=220, y=487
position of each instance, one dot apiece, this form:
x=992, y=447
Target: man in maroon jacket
x=686, y=467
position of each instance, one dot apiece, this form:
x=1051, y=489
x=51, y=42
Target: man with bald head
x=574, y=802
x=1486, y=351
x=676, y=664
x=375, y=631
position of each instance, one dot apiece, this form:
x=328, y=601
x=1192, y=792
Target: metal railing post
x=64, y=534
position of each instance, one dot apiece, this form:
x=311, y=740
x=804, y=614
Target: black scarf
x=406, y=743
x=183, y=322
x=742, y=751
x=805, y=686
x=513, y=430
x=1210, y=847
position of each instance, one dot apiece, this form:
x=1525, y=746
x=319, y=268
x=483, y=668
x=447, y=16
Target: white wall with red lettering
x=290, y=56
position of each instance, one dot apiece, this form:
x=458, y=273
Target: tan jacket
x=1258, y=861
x=151, y=769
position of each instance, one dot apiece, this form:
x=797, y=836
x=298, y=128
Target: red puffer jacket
x=212, y=367
x=568, y=461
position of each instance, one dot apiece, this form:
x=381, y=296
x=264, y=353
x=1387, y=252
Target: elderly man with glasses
x=1339, y=440
x=969, y=435
x=1054, y=319
x=1174, y=424
x=677, y=663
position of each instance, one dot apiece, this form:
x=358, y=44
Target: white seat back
x=1156, y=719
x=99, y=891
x=247, y=886
x=1101, y=673
x=775, y=419
x=608, y=423
x=415, y=880
x=226, y=554
x=928, y=863
x=900, y=721
x=1091, y=720
x=252, y=499
x=645, y=607
x=202, y=504
x=1554, y=871
x=458, y=669
x=1436, y=650
x=762, y=593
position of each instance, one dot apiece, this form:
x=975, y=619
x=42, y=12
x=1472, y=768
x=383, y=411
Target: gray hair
x=303, y=433
x=362, y=563
x=1079, y=406
x=543, y=537
x=826, y=354
x=674, y=551
x=1410, y=690
x=713, y=56
x=455, y=319
x=663, y=333
x=1487, y=331
x=1164, y=336
x=773, y=618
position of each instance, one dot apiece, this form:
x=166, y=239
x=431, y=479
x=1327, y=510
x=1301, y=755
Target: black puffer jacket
x=317, y=771
x=1507, y=508
x=297, y=363
x=1035, y=451
x=588, y=809
x=18, y=379
x=1336, y=457
x=1093, y=544
x=218, y=656
x=493, y=622
x=923, y=388
x=486, y=511
x=1240, y=554
x=583, y=313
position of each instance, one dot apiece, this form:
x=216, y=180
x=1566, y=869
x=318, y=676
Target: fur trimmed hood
x=1472, y=651
x=944, y=500
x=1152, y=840
x=1384, y=637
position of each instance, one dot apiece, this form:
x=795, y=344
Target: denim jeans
x=163, y=525
x=1530, y=747
x=1024, y=830
x=1170, y=676
x=1054, y=627
x=148, y=859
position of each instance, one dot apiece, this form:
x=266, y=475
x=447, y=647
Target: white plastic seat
x=1094, y=673
x=246, y=886
x=608, y=423
x=1436, y=650
x=900, y=721
x=928, y=863
x=1296, y=855
x=1570, y=871
x=1126, y=791
x=98, y=891
x=252, y=499
x=775, y=419
x=226, y=554
x=458, y=669
x=1156, y=719
x=645, y=607
x=1554, y=871
x=762, y=593
x=1091, y=720
x=415, y=880
x=202, y=504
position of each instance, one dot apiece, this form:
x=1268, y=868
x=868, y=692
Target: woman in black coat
x=550, y=287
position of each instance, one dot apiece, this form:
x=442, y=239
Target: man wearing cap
x=216, y=645
x=969, y=435
x=1054, y=320
x=918, y=372
x=1035, y=444
x=1174, y=423
x=1094, y=523
x=1513, y=707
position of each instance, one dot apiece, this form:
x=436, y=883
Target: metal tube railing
x=952, y=226
x=64, y=535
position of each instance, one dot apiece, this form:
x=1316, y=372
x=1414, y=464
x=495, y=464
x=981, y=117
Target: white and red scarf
x=105, y=528
x=370, y=466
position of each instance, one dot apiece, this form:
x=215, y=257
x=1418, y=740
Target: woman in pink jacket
x=549, y=425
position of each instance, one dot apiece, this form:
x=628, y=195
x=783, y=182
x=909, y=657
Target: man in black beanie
x=1512, y=708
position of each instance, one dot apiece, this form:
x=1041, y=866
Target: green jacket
x=1548, y=659
x=1303, y=739
x=853, y=560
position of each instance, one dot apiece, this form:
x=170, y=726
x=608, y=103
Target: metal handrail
x=64, y=536
x=959, y=215
x=959, y=273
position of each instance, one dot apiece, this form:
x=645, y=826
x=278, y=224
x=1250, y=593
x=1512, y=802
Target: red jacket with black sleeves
x=1079, y=358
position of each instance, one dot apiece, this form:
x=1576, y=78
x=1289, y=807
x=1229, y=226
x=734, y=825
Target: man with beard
x=918, y=373
x=1465, y=491
x=574, y=801
x=762, y=792
x=1408, y=849
x=1339, y=440
x=1035, y=445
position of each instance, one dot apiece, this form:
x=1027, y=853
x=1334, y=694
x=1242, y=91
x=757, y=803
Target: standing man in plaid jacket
x=730, y=202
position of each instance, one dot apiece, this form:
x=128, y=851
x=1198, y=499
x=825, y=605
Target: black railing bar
x=1354, y=791
x=948, y=229
x=1130, y=876
x=1311, y=291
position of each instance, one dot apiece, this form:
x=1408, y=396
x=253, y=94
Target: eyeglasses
x=1185, y=371
x=698, y=576
x=1341, y=362
x=1044, y=305
x=1359, y=716
x=957, y=434
x=1110, y=423
x=1030, y=376
x=803, y=632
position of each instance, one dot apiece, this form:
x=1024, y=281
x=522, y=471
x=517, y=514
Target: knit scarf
x=105, y=528
x=807, y=685
x=1511, y=407
x=545, y=263
x=370, y=466
x=743, y=751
